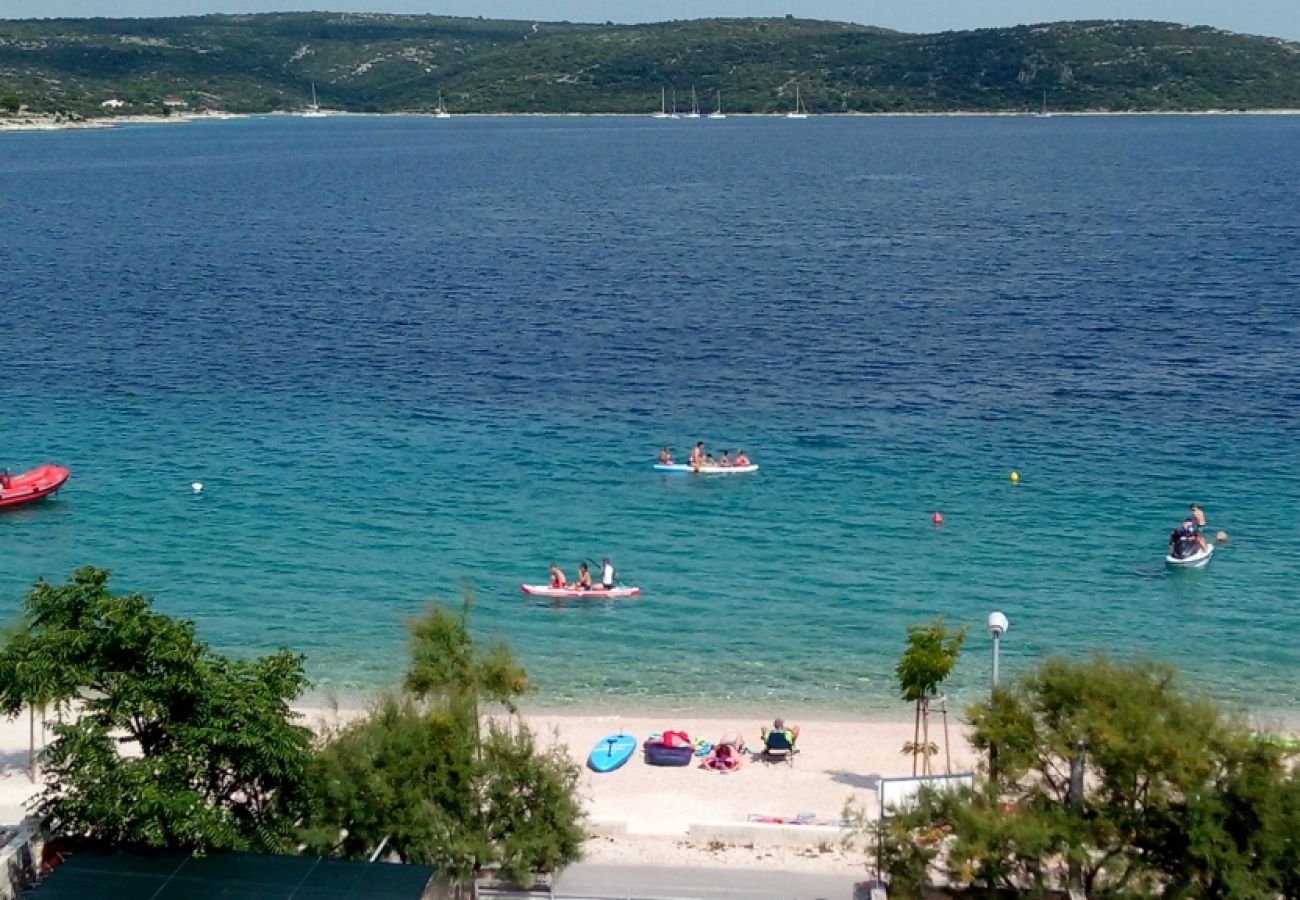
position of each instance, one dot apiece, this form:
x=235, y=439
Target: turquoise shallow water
x=407, y=356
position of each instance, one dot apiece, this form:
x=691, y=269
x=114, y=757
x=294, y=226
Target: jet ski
x=1185, y=551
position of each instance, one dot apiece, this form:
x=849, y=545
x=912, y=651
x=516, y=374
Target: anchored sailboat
x=314, y=109
x=719, y=114
x=800, y=112
x=441, y=111
x=695, y=106
x=1043, y=113
x=663, y=105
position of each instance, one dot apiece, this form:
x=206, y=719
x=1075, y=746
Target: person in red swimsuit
x=557, y=577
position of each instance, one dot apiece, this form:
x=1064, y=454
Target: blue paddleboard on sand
x=611, y=752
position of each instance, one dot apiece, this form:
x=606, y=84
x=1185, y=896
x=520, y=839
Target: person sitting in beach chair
x=778, y=743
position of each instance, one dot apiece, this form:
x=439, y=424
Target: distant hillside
x=387, y=63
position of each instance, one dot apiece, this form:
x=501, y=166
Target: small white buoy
x=198, y=487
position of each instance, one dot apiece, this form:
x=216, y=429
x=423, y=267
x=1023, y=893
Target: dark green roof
x=228, y=876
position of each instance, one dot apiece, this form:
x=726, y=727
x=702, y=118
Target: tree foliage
x=1176, y=800
x=389, y=63
x=932, y=651
x=426, y=778
x=169, y=745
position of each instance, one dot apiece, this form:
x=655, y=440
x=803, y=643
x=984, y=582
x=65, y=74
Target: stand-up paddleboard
x=706, y=470
x=611, y=752
x=598, y=593
x=1199, y=558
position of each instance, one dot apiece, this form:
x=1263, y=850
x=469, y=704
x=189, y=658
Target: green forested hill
x=389, y=63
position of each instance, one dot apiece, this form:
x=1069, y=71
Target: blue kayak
x=611, y=752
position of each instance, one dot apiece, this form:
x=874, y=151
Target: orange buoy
x=937, y=518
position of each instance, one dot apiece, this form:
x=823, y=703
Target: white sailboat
x=695, y=106
x=441, y=112
x=314, y=109
x=1043, y=113
x=719, y=114
x=799, y=112
x=663, y=105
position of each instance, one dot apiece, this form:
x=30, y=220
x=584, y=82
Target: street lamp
x=998, y=626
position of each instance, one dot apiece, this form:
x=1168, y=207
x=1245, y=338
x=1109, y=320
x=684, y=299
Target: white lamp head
x=998, y=624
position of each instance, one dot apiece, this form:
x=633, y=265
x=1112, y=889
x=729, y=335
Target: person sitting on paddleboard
x=697, y=455
x=584, y=578
x=607, y=574
x=724, y=460
x=741, y=459
x=666, y=456
x=557, y=577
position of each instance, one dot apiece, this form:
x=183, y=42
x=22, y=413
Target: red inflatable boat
x=37, y=484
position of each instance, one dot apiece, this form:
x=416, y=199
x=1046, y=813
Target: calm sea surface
x=407, y=355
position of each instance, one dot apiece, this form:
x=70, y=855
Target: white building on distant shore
x=113, y=103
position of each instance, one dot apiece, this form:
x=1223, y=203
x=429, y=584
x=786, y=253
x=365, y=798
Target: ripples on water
x=407, y=354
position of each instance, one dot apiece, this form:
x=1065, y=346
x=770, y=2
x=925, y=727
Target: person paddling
x=607, y=574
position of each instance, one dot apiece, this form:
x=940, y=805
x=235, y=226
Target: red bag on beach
x=675, y=739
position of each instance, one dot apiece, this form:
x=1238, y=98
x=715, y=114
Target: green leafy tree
x=1113, y=778
x=932, y=651
x=167, y=744
x=448, y=666
x=429, y=779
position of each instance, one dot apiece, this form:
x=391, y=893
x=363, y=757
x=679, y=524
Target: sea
x=413, y=360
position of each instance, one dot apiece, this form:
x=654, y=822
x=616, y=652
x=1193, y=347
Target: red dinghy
x=37, y=484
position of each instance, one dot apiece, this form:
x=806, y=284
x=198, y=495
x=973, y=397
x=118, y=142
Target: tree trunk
x=925, y=735
x=1074, y=879
x=947, y=751
x=31, y=743
x=916, y=737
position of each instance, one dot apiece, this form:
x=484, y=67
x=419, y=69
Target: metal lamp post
x=998, y=626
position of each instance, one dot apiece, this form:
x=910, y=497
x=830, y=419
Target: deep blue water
x=406, y=355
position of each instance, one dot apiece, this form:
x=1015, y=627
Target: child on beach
x=584, y=578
